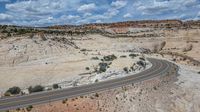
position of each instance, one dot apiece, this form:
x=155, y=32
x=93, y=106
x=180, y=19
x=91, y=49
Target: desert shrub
x=188, y=48
x=15, y=30
x=4, y=31
x=18, y=109
x=55, y=86
x=95, y=58
x=109, y=57
x=87, y=68
x=141, y=63
x=125, y=69
x=141, y=58
x=132, y=68
x=174, y=59
x=83, y=50
x=29, y=108
x=96, y=80
x=8, y=34
x=37, y=88
x=123, y=56
x=133, y=55
x=21, y=31
x=14, y=90
x=102, y=67
x=63, y=101
x=96, y=95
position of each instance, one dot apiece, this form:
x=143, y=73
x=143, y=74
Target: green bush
x=8, y=34
x=96, y=80
x=95, y=58
x=141, y=58
x=55, y=86
x=123, y=56
x=14, y=90
x=109, y=57
x=102, y=67
x=133, y=55
x=87, y=68
x=37, y=88
x=29, y=108
x=125, y=69
x=96, y=95
x=141, y=63
x=83, y=50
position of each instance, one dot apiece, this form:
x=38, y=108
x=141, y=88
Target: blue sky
x=58, y=12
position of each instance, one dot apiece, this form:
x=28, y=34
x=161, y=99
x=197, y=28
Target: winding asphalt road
x=159, y=67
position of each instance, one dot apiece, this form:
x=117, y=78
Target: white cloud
x=5, y=17
x=161, y=6
x=118, y=4
x=87, y=14
x=98, y=21
x=50, y=18
x=73, y=17
x=111, y=12
x=127, y=15
x=86, y=7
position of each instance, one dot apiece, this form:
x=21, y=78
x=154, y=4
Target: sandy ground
x=27, y=61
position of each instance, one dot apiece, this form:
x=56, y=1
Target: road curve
x=159, y=67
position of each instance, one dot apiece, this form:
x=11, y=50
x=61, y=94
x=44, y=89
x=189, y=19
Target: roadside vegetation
x=37, y=88
x=55, y=86
x=13, y=91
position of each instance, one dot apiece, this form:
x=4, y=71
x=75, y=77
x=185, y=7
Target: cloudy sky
x=55, y=12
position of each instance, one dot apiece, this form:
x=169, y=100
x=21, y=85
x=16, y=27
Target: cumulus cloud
x=119, y=4
x=127, y=15
x=86, y=7
x=50, y=12
x=72, y=17
x=87, y=14
x=5, y=17
x=161, y=6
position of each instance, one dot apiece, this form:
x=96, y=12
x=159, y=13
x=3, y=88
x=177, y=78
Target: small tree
x=141, y=63
x=123, y=56
x=87, y=68
x=132, y=55
x=110, y=57
x=95, y=58
x=29, y=108
x=102, y=67
x=125, y=69
x=8, y=34
x=37, y=88
x=14, y=90
x=55, y=86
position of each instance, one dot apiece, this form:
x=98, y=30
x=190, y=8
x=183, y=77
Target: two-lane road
x=159, y=67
